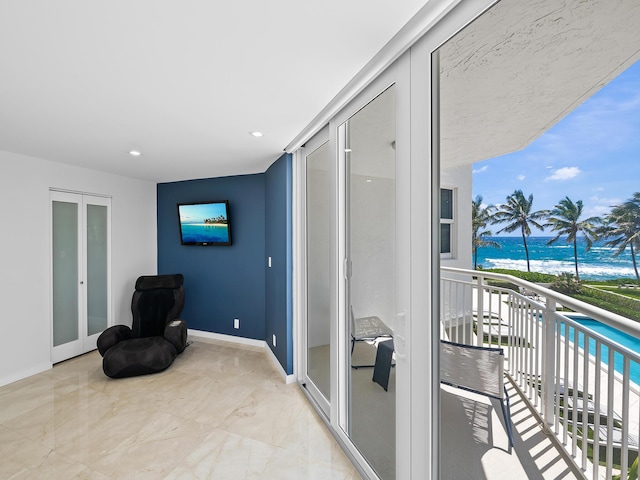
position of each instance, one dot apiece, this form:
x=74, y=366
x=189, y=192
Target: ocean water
x=200, y=232
x=597, y=264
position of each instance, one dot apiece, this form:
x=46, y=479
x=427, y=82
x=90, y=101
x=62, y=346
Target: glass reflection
x=370, y=142
x=318, y=307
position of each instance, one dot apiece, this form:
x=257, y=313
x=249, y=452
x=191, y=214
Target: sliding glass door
x=354, y=194
x=369, y=140
x=317, y=327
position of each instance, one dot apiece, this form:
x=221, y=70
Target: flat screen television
x=205, y=223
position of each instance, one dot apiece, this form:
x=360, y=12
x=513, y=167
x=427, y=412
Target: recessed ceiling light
x=256, y=134
x=135, y=153
x=369, y=180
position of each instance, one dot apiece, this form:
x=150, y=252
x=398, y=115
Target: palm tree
x=480, y=217
x=565, y=219
x=518, y=216
x=622, y=226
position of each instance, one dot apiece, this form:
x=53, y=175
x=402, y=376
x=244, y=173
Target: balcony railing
x=583, y=384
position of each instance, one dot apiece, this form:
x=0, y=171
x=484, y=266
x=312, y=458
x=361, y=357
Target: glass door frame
x=397, y=74
x=305, y=381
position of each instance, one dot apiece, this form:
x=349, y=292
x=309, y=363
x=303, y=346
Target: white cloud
x=481, y=169
x=521, y=177
x=596, y=211
x=609, y=202
x=564, y=173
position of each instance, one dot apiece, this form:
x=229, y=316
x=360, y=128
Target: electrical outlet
x=236, y=323
x=274, y=340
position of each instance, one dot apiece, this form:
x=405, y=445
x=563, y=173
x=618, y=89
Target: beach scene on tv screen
x=204, y=223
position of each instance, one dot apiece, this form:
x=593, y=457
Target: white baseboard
x=246, y=342
x=226, y=338
x=287, y=378
x=42, y=367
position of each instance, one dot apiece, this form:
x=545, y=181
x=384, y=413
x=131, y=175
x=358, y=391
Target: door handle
x=399, y=335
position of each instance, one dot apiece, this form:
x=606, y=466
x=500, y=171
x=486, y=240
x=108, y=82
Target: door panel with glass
x=369, y=138
x=318, y=191
x=80, y=306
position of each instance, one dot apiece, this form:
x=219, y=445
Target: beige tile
x=65, y=418
x=136, y=439
x=225, y=455
x=217, y=412
x=309, y=437
x=29, y=394
x=286, y=465
x=266, y=415
x=28, y=459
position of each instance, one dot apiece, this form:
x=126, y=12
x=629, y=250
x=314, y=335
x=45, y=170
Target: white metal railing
x=593, y=409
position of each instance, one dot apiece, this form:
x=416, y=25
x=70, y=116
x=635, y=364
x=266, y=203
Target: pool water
x=632, y=343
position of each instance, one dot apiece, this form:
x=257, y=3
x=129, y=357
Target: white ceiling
x=183, y=82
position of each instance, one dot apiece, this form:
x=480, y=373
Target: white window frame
x=450, y=221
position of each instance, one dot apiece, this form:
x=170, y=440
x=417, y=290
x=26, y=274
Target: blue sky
x=198, y=212
x=593, y=155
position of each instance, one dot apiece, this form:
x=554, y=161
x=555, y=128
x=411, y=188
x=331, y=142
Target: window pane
x=65, y=272
x=445, y=238
x=318, y=261
x=446, y=203
x=371, y=236
x=97, y=280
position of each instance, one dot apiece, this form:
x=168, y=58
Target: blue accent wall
x=223, y=283
x=278, y=302
x=226, y=282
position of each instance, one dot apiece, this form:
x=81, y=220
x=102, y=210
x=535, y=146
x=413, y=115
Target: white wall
x=373, y=247
x=25, y=252
x=459, y=178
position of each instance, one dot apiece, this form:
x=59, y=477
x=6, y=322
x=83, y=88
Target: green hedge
x=534, y=277
x=611, y=298
x=626, y=307
x=613, y=282
x=627, y=292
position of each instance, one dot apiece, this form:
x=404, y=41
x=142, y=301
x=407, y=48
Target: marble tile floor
x=219, y=412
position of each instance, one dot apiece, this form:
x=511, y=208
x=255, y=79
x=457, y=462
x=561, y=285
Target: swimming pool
x=611, y=333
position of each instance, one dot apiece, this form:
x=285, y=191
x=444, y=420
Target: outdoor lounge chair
x=479, y=370
x=492, y=326
x=536, y=382
x=616, y=443
x=591, y=410
x=489, y=317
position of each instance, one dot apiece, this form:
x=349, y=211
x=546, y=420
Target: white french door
x=80, y=273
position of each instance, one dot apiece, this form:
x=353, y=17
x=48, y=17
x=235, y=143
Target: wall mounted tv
x=205, y=223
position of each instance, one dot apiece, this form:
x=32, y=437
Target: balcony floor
x=475, y=445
